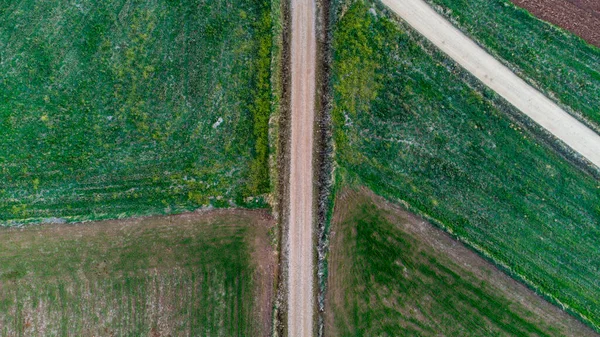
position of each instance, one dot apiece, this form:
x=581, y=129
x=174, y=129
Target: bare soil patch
x=581, y=17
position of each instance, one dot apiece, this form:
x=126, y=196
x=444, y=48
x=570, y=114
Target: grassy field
x=555, y=61
x=193, y=274
x=392, y=274
x=117, y=108
x=416, y=129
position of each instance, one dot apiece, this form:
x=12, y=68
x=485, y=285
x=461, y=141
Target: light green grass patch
x=118, y=108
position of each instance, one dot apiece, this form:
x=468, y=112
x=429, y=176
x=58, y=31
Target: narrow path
x=498, y=77
x=300, y=249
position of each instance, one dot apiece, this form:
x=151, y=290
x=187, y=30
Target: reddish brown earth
x=582, y=17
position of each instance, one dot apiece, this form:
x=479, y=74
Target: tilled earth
x=581, y=17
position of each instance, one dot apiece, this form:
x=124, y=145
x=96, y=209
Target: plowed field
x=581, y=17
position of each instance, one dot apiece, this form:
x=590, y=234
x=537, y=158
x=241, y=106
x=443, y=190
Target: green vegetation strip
x=118, y=108
x=387, y=280
x=413, y=127
x=554, y=60
x=188, y=275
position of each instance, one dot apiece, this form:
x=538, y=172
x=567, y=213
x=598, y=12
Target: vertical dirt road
x=498, y=77
x=300, y=249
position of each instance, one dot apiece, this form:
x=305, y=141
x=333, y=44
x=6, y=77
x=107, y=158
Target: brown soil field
x=582, y=17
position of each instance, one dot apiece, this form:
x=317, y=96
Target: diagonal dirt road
x=300, y=248
x=498, y=77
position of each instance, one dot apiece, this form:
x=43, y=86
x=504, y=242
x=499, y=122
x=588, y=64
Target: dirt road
x=498, y=77
x=300, y=249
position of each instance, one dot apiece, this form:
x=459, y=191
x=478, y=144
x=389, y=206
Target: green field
x=416, y=129
x=118, y=108
x=553, y=60
x=193, y=275
x=393, y=275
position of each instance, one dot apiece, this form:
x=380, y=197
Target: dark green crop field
x=185, y=275
x=118, y=108
x=391, y=274
x=416, y=129
x=555, y=61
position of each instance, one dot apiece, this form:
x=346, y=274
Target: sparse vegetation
x=194, y=275
x=119, y=108
x=416, y=129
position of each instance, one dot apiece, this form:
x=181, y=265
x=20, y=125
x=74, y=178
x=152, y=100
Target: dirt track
x=498, y=77
x=581, y=17
x=300, y=249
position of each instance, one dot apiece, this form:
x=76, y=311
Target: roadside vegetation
x=554, y=60
x=120, y=108
x=207, y=274
x=415, y=128
x=392, y=274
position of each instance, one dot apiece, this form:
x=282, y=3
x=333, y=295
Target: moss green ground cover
x=192, y=275
x=554, y=60
x=391, y=275
x=412, y=126
x=115, y=108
